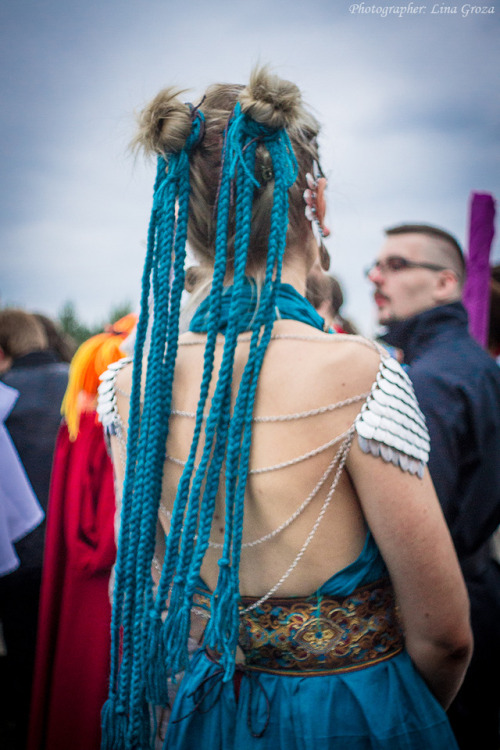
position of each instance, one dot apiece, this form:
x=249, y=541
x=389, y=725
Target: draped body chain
x=389, y=425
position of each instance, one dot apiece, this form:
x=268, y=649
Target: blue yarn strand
x=153, y=649
x=126, y=719
x=177, y=616
x=222, y=631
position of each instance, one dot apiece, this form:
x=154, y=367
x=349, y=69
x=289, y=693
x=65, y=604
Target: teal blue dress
x=384, y=706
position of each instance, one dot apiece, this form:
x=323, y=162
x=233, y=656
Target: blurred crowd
x=57, y=509
x=55, y=564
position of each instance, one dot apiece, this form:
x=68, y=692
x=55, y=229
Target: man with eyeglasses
x=418, y=279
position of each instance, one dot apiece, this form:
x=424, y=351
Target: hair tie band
x=196, y=114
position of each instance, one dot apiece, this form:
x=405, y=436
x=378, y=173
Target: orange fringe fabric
x=91, y=359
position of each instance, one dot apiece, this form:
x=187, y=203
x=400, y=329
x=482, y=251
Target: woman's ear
x=321, y=205
x=315, y=200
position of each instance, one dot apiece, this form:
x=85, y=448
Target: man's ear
x=447, y=288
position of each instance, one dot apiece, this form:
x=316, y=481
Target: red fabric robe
x=72, y=658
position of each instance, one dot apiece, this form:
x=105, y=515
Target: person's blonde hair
x=165, y=124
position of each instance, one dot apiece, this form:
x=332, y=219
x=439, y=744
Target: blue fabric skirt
x=385, y=706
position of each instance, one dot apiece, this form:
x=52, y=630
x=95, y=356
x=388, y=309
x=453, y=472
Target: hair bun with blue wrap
x=164, y=125
x=270, y=100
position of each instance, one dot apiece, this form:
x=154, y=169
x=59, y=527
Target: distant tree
x=119, y=311
x=80, y=331
x=73, y=326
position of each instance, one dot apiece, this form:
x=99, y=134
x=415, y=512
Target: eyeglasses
x=395, y=263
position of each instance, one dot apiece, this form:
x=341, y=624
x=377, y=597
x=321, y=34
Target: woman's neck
x=296, y=266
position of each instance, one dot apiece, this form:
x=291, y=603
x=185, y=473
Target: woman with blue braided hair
x=283, y=565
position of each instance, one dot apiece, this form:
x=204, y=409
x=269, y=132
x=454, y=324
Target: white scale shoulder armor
x=390, y=423
x=106, y=397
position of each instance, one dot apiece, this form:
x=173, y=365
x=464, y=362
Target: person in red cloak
x=72, y=656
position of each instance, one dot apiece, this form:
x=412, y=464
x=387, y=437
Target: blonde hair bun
x=271, y=100
x=164, y=124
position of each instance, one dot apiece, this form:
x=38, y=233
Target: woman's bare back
x=302, y=377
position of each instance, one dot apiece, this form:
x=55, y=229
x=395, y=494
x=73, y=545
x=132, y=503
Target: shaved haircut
x=445, y=249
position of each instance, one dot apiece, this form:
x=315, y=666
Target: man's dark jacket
x=457, y=385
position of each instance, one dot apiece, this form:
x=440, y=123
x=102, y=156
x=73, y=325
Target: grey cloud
x=408, y=108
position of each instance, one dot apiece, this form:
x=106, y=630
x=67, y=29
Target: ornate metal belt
x=320, y=634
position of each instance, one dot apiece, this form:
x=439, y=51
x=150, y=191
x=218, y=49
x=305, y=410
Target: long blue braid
x=163, y=658
x=125, y=715
x=153, y=649
x=222, y=631
x=193, y=514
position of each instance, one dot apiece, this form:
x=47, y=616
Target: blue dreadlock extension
x=152, y=648
x=222, y=632
x=177, y=621
x=190, y=509
x=221, y=403
x=174, y=636
x=114, y=714
x=126, y=720
x=237, y=472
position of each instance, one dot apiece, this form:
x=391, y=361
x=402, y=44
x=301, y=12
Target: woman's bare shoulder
x=352, y=362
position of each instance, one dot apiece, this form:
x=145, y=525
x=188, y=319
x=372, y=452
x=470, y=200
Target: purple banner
x=476, y=295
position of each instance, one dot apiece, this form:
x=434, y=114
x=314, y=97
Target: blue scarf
x=290, y=305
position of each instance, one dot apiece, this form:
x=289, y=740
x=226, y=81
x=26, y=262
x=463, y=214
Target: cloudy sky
x=407, y=95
